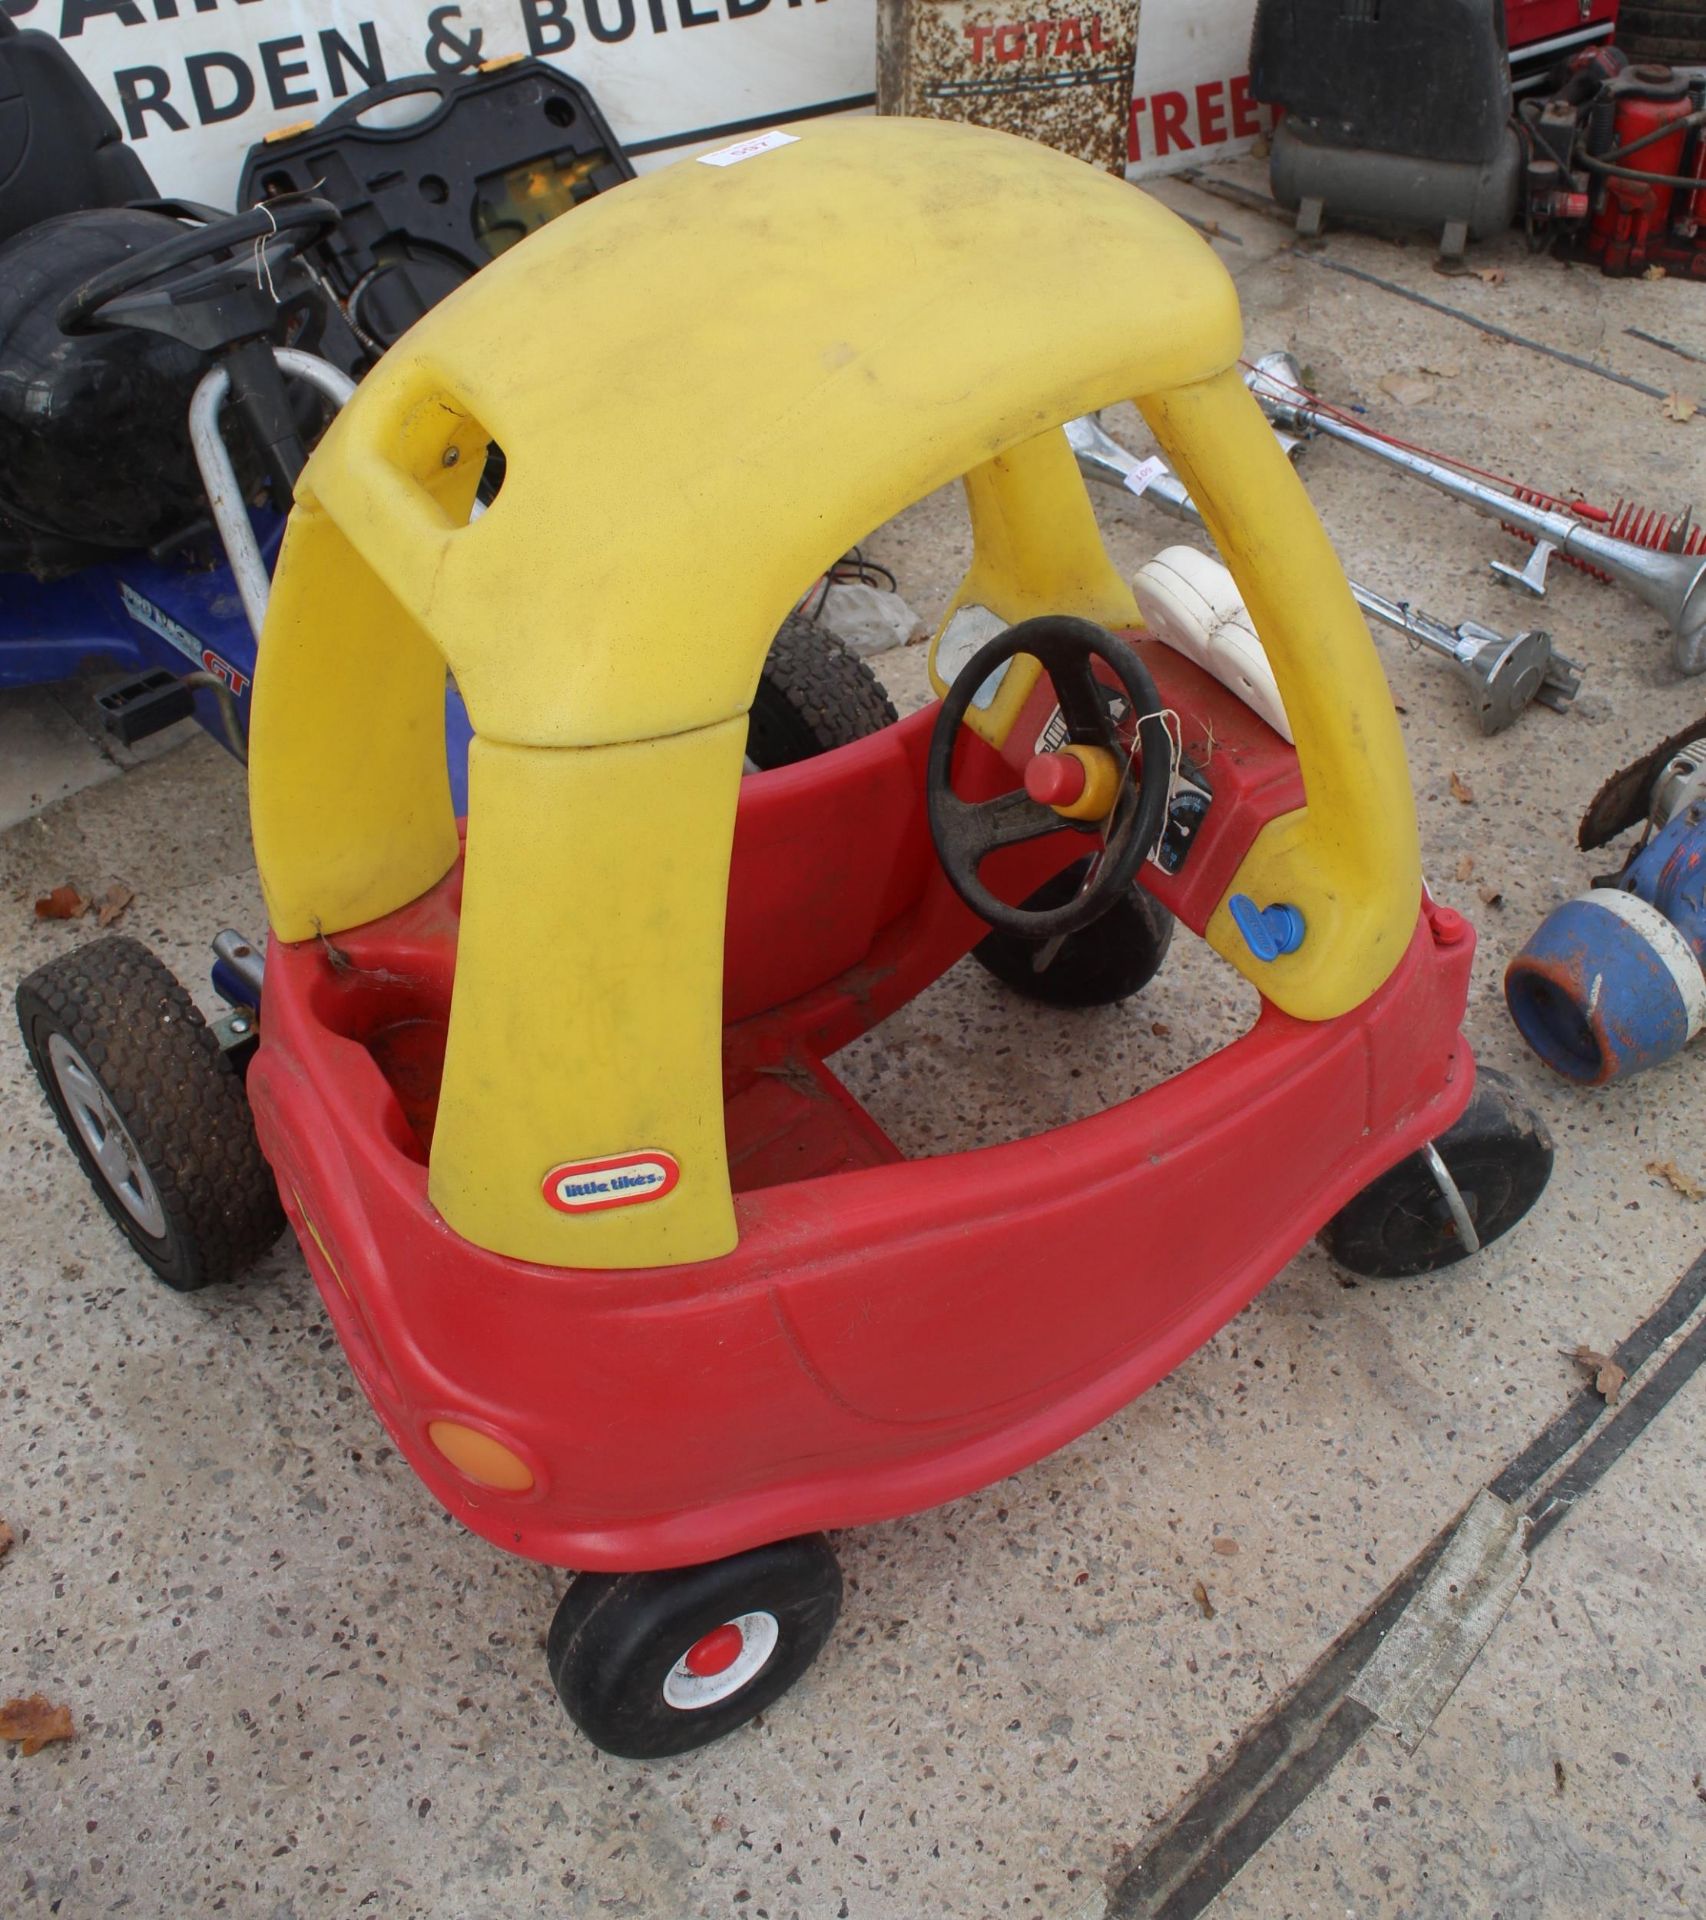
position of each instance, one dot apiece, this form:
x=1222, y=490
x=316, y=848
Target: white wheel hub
x=106, y=1136
x=722, y=1661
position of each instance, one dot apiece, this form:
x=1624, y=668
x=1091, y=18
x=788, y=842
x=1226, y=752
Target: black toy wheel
x=153, y=1110
x=1500, y=1155
x=650, y=1664
x=1098, y=966
x=813, y=695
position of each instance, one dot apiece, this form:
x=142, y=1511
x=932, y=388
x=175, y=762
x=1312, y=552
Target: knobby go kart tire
x=1100, y=965
x=619, y=1640
x=813, y=695
x=1500, y=1155
x=133, y=1032
x=1673, y=31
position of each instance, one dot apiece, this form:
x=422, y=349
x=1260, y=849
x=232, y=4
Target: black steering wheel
x=283, y=228
x=967, y=832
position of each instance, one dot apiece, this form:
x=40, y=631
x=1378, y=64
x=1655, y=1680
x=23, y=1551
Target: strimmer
x=1504, y=674
x=1673, y=583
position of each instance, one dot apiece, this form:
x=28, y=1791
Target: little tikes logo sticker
x=624, y=1180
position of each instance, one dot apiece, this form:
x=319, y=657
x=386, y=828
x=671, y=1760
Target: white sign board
x=194, y=83
x=1191, y=93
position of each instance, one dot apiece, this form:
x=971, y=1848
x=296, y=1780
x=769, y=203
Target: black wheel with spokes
x=152, y=1109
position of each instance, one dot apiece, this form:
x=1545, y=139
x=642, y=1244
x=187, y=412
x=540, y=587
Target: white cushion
x=1192, y=605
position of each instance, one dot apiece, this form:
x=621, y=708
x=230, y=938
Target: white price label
x=1145, y=474
x=745, y=149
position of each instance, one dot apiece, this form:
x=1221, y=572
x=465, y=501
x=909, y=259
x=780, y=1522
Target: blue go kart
x=164, y=370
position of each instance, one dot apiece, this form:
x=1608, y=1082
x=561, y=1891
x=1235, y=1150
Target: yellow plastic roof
x=712, y=381
x=708, y=384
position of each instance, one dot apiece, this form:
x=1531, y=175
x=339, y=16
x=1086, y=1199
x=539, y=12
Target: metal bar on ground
x=1202, y=1845
x=1484, y=326
x=1670, y=346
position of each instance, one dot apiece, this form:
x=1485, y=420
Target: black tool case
x=435, y=175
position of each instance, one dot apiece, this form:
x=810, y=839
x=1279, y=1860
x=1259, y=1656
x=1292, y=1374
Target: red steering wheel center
x=716, y=1652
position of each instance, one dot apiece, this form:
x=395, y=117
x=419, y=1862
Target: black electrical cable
x=1635, y=173
x=1696, y=119
x=853, y=566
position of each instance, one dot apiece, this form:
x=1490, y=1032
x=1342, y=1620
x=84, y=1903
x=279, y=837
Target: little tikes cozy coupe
x=634, y=1282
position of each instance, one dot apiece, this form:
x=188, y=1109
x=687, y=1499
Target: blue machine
x=1614, y=981
x=164, y=623
x=137, y=530
x=165, y=368
x=135, y=613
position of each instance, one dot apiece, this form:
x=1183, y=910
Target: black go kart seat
x=60, y=149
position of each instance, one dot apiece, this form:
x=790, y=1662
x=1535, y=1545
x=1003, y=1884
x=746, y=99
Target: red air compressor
x=1615, y=165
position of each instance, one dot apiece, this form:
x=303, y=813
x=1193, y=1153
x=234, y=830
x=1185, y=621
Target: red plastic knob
x=1055, y=779
x=1449, y=926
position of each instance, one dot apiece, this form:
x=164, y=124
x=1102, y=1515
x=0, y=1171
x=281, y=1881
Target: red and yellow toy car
x=633, y=1281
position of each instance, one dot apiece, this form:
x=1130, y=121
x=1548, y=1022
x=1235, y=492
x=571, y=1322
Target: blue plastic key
x=1269, y=931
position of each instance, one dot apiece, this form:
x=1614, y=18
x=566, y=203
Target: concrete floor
x=299, y=1689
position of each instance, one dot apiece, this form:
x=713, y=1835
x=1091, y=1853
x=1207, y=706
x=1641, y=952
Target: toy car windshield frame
x=707, y=387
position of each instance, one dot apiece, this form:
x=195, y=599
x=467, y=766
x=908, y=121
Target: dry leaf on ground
x=1461, y=791
x=1679, y=407
x=1446, y=370
x=6, y=1538
x=1199, y=1593
x=1466, y=867
x=1608, y=1376
x=64, y=903
x=1673, y=1176
x=112, y=903
x=34, y=1723
x=1225, y=1544
x=1491, y=897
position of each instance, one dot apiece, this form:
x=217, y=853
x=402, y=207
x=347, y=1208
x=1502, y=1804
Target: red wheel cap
x=716, y=1652
x=1055, y=779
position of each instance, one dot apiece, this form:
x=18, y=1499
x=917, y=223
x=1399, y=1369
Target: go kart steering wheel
x=967, y=832
x=282, y=227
